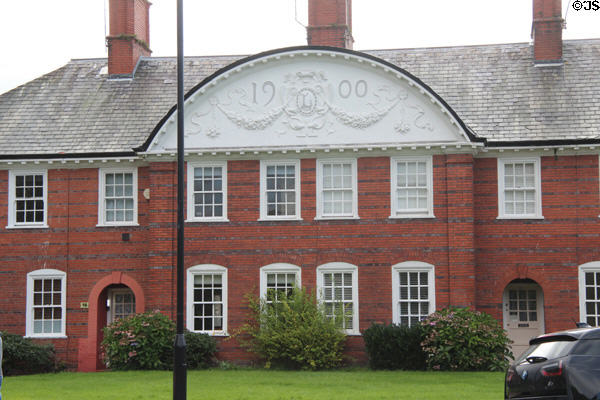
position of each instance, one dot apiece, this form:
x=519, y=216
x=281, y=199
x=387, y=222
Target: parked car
x=559, y=365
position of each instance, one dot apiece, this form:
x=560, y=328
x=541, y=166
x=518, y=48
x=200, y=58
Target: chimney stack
x=129, y=36
x=546, y=32
x=330, y=23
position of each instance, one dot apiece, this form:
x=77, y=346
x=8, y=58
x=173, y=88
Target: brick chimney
x=330, y=23
x=546, y=32
x=129, y=36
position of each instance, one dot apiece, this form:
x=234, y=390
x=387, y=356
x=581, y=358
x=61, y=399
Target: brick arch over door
x=89, y=348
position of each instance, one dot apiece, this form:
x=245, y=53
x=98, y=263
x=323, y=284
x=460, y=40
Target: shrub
x=461, y=339
x=395, y=346
x=141, y=341
x=22, y=356
x=293, y=332
x=145, y=341
x=200, y=350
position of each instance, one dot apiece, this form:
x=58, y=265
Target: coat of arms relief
x=308, y=104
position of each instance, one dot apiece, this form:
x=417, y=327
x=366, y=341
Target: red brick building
x=391, y=182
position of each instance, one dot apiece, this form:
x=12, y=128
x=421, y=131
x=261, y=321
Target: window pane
x=413, y=295
x=337, y=196
x=338, y=297
x=589, y=278
x=207, y=301
x=280, y=190
x=29, y=196
x=592, y=297
x=411, y=186
x=208, y=192
x=520, y=190
x=47, y=305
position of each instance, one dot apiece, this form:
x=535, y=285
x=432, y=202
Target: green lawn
x=258, y=384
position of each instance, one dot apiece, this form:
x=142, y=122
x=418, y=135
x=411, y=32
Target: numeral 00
x=345, y=88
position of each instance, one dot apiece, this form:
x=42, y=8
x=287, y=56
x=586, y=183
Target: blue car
x=559, y=365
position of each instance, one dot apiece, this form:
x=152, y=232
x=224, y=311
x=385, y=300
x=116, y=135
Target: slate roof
x=495, y=89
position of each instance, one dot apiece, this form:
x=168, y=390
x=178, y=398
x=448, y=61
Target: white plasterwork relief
x=308, y=104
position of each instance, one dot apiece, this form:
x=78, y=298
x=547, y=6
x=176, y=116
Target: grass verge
x=257, y=384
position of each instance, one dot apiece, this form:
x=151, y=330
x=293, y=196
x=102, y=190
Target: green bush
x=461, y=339
x=145, y=341
x=200, y=350
x=22, y=356
x=395, y=346
x=292, y=333
x=141, y=341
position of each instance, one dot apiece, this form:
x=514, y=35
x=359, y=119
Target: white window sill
x=117, y=225
x=213, y=333
x=38, y=226
x=45, y=337
x=208, y=220
x=352, y=333
x=279, y=219
x=519, y=217
x=412, y=216
x=333, y=217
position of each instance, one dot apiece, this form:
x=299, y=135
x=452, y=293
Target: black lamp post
x=180, y=367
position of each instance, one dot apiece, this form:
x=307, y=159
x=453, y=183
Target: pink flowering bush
x=145, y=341
x=461, y=339
x=141, y=341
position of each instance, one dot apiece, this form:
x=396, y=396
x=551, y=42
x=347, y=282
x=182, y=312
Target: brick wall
x=547, y=250
x=475, y=254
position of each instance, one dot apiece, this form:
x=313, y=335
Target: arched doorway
x=523, y=312
x=102, y=308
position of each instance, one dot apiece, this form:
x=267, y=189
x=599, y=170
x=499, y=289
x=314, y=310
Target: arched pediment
x=311, y=98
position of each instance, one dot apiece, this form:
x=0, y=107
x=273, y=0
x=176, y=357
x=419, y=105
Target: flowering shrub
x=145, y=341
x=141, y=341
x=292, y=333
x=394, y=346
x=461, y=339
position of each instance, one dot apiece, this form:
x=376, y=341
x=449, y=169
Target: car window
x=548, y=350
x=588, y=347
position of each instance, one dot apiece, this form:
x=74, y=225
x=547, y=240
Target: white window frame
x=190, y=191
x=411, y=213
x=341, y=267
x=263, y=189
x=593, y=267
x=537, y=214
x=411, y=266
x=201, y=269
x=320, y=198
x=12, y=200
x=29, y=314
x=102, y=196
x=278, y=268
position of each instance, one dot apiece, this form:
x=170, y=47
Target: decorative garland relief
x=307, y=104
